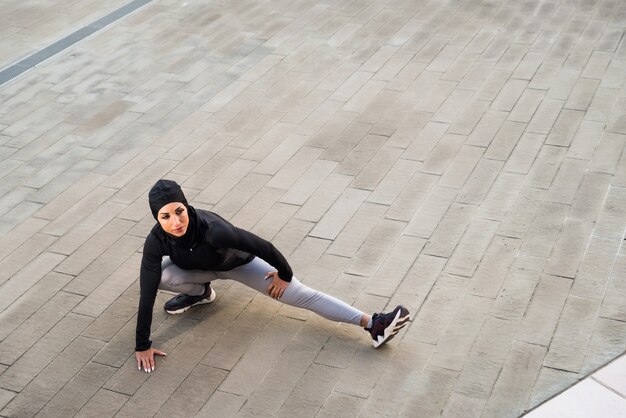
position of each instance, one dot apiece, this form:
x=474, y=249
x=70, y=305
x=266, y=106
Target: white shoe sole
x=394, y=327
x=210, y=299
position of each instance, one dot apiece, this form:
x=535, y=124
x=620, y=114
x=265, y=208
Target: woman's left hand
x=278, y=286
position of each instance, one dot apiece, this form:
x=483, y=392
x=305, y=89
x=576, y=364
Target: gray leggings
x=177, y=280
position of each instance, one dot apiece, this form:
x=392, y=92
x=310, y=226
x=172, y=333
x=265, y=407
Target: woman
x=189, y=247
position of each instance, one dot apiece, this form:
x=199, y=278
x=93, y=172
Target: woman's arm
x=149, y=279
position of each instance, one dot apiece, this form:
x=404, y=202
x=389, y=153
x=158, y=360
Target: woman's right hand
x=145, y=359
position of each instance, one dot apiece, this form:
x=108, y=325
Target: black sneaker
x=385, y=326
x=181, y=302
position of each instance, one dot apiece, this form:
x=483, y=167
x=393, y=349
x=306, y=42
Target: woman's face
x=174, y=219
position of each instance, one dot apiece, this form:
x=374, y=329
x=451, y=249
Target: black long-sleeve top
x=210, y=243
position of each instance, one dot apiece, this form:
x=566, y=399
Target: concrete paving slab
x=464, y=158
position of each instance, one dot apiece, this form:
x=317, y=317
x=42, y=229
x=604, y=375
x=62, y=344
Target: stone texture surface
x=464, y=158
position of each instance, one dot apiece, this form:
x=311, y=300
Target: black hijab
x=168, y=191
x=164, y=192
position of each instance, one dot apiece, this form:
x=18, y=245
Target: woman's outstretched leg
x=382, y=327
x=297, y=294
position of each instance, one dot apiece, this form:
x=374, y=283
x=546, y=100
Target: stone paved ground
x=463, y=157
